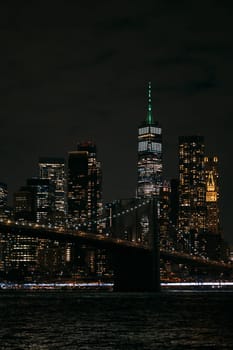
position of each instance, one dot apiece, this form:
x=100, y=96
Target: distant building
x=3, y=196
x=174, y=201
x=149, y=166
x=199, y=231
x=192, y=189
x=212, y=195
x=43, y=199
x=5, y=211
x=23, y=202
x=84, y=187
x=53, y=169
x=165, y=232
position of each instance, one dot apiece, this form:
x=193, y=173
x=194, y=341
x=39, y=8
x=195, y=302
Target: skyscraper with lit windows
x=84, y=187
x=53, y=169
x=3, y=200
x=149, y=166
x=212, y=195
x=192, y=189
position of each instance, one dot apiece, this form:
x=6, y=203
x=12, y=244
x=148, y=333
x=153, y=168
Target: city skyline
x=78, y=73
x=149, y=130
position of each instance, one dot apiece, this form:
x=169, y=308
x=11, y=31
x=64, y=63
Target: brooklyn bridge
x=136, y=266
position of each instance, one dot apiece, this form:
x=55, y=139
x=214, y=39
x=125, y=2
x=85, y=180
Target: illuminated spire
x=149, y=118
x=210, y=182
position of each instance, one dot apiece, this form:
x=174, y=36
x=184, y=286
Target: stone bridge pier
x=136, y=271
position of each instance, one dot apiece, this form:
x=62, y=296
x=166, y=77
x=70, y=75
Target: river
x=105, y=320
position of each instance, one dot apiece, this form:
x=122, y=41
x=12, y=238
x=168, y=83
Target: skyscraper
x=212, y=195
x=84, y=187
x=149, y=167
x=53, y=169
x=3, y=199
x=43, y=198
x=192, y=187
x=24, y=207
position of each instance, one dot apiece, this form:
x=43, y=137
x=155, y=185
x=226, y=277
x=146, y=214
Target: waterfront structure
x=33, y=202
x=149, y=165
x=18, y=255
x=53, y=169
x=192, y=189
x=84, y=197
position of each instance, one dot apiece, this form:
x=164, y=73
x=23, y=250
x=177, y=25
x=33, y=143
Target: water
x=77, y=320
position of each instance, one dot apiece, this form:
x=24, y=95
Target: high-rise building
x=84, y=187
x=43, y=198
x=3, y=200
x=192, y=189
x=24, y=205
x=84, y=201
x=149, y=167
x=53, y=169
x=212, y=194
x=3, y=195
x=174, y=201
x=165, y=232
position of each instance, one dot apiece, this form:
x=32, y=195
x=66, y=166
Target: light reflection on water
x=78, y=320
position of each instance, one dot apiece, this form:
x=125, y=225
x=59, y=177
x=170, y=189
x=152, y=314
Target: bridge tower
x=139, y=270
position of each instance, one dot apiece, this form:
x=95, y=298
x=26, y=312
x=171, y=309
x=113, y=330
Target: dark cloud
x=126, y=23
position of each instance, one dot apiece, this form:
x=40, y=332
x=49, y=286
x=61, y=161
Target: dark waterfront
x=91, y=320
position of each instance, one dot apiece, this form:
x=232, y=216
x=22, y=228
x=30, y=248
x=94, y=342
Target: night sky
x=76, y=72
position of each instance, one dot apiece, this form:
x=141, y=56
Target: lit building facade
x=84, y=187
x=3, y=195
x=3, y=200
x=165, y=232
x=42, y=191
x=53, y=169
x=192, y=189
x=24, y=205
x=212, y=195
x=149, y=166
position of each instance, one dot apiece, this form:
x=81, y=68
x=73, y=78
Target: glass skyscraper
x=149, y=166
